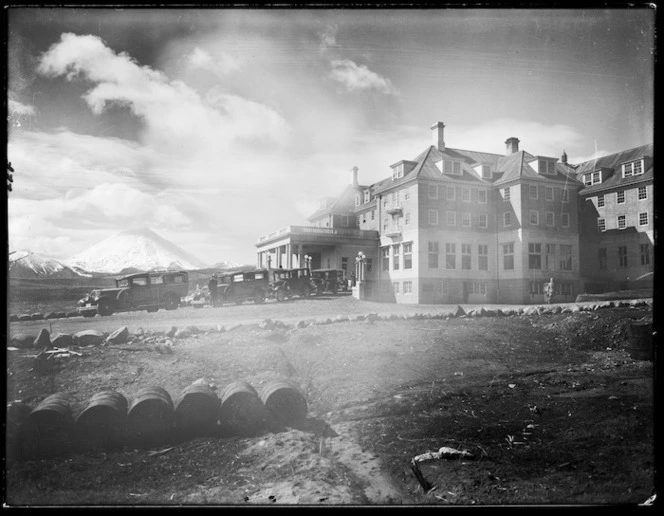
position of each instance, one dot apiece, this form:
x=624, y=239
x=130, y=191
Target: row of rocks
x=40, y=316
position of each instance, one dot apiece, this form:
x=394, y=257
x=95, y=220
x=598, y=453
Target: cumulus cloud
x=220, y=65
x=358, y=77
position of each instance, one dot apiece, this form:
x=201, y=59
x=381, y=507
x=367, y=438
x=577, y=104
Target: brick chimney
x=438, y=135
x=512, y=146
x=353, y=176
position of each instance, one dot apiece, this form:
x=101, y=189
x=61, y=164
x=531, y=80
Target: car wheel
x=259, y=296
x=104, y=307
x=171, y=302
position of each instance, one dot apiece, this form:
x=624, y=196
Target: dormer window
x=486, y=171
x=545, y=166
x=367, y=196
x=397, y=171
x=632, y=168
x=592, y=178
x=452, y=167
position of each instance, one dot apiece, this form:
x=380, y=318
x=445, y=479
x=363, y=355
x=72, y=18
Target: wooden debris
x=444, y=453
x=426, y=486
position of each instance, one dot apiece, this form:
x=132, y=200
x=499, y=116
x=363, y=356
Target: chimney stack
x=353, y=176
x=438, y=135
x=512, y=146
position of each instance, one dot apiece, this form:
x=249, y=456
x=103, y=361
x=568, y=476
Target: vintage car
x=239, y=286
x=140, y=291
x=291, y=282
x=330, y=280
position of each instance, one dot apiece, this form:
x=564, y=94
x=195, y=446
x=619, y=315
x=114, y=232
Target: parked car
x=330, y=280
x=140, y=291
x=199, y=297
x=239, y=286
x=291, y=282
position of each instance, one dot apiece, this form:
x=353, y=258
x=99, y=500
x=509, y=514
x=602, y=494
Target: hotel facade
x=460, y=226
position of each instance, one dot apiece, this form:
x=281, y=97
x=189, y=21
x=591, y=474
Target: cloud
x=358, y=77
x=17, y=108
x=328, y=37
x=220, y=66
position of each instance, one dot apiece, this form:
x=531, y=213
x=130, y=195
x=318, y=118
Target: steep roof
x=516, y=166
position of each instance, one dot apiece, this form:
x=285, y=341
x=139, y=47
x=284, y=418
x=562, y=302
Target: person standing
x=549, y=291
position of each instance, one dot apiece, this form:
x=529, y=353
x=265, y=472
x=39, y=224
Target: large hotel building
x=460, y=226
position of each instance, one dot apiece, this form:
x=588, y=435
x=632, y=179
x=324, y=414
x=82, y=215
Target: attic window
x=452, y=167
x=593, y=178
x=367, y=196
x=486, y=172
x=397, y=172
x=632, y=168
x=546, y=167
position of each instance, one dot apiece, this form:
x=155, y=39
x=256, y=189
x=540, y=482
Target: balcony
x=314, y=234
x=393, y=232
x=394, y=208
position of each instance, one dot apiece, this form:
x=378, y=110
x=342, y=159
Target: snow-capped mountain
x=136, y=250
x=26, y=264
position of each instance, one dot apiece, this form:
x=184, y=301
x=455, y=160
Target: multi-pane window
x=621, y=196
x=622, y=222
x=408, y=255
x=465, y=194
x=549, y=257
x=506, y=194
x=466, y=256
x=369, y=264
x=477, y=287
x=344, y=220
x=465, y=220
x=632, y=168
x=444, y=287
x=534, y=217
x=507, y=219
x=483, y=220
x=643, y=218
x=450, y=256
x=456, y=168
x=536, y=287
x=447, y=167
x=550, y=218
x=645, y=254
x=433, y=191
x=385, y=255
x=508, y=256
x=593, y=178
x=565, y=193
x=564, y=219
x=482, y=196
x=395, y=257
x=397, y=172
x=433, y=217
x=600, y=201
x=602, y=258
x=643, y=193
x=451, y=218
x=450, y=193
x=565, y=257
x=533, y=191
x=407, y=287
x=395, y=287
x=406, y=195
x=601, y=224
x=622, y=256
x=534, y=256
x=433, y=255
x=486, y=172
x=483, y=257
x=548, y=193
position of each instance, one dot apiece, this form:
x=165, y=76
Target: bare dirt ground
x=552, y=408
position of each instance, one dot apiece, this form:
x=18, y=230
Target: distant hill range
x=125, y=253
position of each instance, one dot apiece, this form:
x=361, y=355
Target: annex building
x=461, y=226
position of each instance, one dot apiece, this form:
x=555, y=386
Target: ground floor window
x=433, y=255
x=602, y=258
x=622, y=256
x=534, y=256
x=450, y=256
x=508, y=256
x=565, y=257
x=407, y=287
x=645, y=254
x=483, y=257
x=536, y=288
x=385, y=254
x=395, y=287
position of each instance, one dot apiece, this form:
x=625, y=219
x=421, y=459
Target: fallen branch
x=426, y=486
x=444, y=453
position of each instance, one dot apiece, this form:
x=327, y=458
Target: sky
x=213, y=127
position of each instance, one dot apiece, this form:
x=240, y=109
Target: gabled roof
x=516, y=166
x=613, y=161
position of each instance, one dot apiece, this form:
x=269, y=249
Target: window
x=465, y=220
x=433, y=191
x=433, y=255
x=645, y=254
x=506, y=194
x=643, y=193
x=546, y=167
x=406, y=195
x=564, y=219
x=367, y=196
x=385, y=201
x=456, y=168
x=536, y=287
x=486, y=172
x=621, y=221
x=600, y=201
x=447, y=167
x=601, y=224
x=508, y=257
x=408, y=255
x=395, y=257
x=549, y=216
x=632, y=168
x=450, y=193
x=406, y=219
x=466, y=256
x=643, y=218
x=156, y=280
x=533, y=191
x=534, y=217
x=507, y=219
x=593, y=178
x=565, y=194
x=601, y=257
x=481, y=196
x=357, y=200
x=450, y=256
x=451, y=218
x=483, y=257
x=395, y=287
x=483, y=220
x=344, y=220
x=534, y=256
x=548, y=193
x=621, y=196
x=565, y=257
x=622, y=256
x=369, y=264
x=465, y=194
x=407, y=287
x=385, y=254
x=433, y=217
x=550, y=257
x=344, y=263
